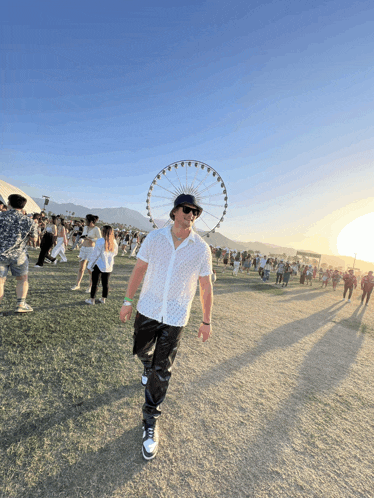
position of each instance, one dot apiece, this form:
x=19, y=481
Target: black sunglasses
x=187, y=209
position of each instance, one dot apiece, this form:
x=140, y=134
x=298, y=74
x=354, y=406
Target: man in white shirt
x=171, y=260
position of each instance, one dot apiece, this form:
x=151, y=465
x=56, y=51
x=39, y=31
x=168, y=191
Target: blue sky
x=277, y=96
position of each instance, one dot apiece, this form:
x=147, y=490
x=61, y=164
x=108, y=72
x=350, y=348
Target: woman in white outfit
x=101, y=263
x=91, y=234
x=62, y=242
x=134, y=244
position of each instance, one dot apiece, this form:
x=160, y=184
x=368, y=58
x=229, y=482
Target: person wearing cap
x=367, y=284
x=171, y=260
x=349, y=282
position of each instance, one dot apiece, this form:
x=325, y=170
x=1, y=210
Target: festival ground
x=279, y=403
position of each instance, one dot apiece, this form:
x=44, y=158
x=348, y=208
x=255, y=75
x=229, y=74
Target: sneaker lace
x=150, y=432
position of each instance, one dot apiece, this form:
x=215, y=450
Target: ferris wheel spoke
x=162, y=205
x=163, y=197
x=207, y=212
x=215, y=205
x=172, y=193
x=194, y=178
x=205, y=223
x=211, y=195
x=207, y=188
x=171, y=183
x=163, y=214
x=203, y=180
x=179, y=179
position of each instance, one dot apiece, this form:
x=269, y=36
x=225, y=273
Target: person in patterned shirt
x=172, y=260
x=16, y=230
x=367, y=284
x=349, y=282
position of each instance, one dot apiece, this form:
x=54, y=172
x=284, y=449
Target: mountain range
x=123, y=215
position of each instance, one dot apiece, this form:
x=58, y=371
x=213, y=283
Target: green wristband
x=128, y=299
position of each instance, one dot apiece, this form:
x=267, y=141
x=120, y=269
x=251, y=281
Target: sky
x=276, y=96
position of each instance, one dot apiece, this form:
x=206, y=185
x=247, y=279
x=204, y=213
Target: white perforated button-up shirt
x=171, y=278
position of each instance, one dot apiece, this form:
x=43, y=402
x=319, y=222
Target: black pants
x=156, y=345
x=279, y=278
x=45, y=245
x=366, y=291
x=346, y=287
x=104, y=280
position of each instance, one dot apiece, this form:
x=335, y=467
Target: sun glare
x=358, y=237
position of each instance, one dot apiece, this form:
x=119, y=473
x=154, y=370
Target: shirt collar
x=191, y=238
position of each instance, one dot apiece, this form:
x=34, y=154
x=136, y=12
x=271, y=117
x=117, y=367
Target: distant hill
x=122, y=215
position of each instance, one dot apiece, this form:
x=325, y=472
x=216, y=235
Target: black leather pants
x=156, y=345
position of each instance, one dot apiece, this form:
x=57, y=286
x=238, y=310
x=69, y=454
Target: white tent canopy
x=6, y=190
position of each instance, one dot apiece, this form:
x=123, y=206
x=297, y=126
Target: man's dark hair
x=17, y=201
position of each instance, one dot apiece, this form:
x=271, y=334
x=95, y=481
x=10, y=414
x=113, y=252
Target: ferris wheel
x=188, y=177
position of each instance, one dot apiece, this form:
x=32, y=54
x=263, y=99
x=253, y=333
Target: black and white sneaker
x=145, y=376
x=150, y=441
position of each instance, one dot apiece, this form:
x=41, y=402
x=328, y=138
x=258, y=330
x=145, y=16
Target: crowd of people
x=284, y=271
x=53, y=236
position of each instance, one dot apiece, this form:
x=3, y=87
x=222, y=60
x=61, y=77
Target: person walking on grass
x=15, y=232
x=309, y=275
x=171, y=260
x=267, y=269
x=367, y=284
x=349, y=282
x=335, y=279
x=236, y=268
x=280, y=271
x=62, y=242
x=47, y=242
x=91, y=234
x=287, y=274
x=101, y=263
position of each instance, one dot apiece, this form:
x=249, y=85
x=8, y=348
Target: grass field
x=279, y=403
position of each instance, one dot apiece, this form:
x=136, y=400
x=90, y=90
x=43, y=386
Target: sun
x=358, y=237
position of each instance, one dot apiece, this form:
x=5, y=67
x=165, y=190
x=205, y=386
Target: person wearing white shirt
x=101, y=263
x=171, y=260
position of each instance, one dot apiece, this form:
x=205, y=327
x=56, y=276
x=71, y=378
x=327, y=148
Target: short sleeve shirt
x=15, y=230
x=171, y=278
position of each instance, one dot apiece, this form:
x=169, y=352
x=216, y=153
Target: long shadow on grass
x=282, y=337
x=36, y=427
x=306, y=296
x=97, y=474
x=324, y=368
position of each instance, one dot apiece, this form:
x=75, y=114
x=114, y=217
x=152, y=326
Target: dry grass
x=279, y=403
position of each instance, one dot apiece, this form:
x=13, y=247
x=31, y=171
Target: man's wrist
x=206, y=323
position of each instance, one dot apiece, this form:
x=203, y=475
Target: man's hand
x=205, y=331
x=125, y=313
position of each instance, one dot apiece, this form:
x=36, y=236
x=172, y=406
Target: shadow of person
x=325, y=367
x=305, y=296
x=281, y=337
